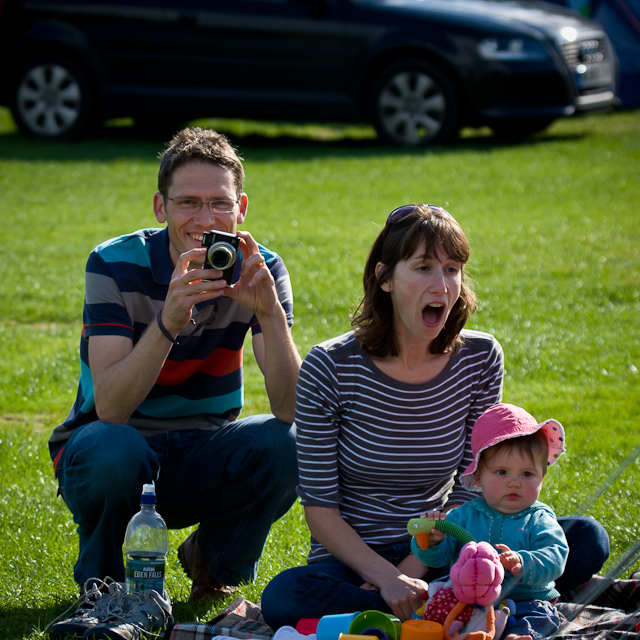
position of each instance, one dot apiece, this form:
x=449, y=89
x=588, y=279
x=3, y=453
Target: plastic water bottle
x=146, y=543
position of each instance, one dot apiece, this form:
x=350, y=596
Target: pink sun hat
x=504, y=421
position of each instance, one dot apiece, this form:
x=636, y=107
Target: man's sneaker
x=205, y=586
x=92, y=608
x=133, y=617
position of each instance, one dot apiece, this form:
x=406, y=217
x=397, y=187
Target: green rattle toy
x=420, y=528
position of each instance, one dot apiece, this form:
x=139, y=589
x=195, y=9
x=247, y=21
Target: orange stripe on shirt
x=220, y=362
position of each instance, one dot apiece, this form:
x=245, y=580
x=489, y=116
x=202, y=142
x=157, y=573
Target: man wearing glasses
x=161, y=385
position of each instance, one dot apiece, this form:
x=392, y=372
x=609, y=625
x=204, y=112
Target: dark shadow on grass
x=23, y=621
x=113, y=143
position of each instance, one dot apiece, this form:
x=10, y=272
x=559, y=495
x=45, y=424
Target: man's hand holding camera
x=192, y=283
x=256, y=289
x=188, y=288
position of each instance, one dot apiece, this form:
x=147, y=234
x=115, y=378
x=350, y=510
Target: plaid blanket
x=241, y=619
x=603, y=609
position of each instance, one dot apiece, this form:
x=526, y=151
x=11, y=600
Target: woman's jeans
x=234, y=482
x=329, y=587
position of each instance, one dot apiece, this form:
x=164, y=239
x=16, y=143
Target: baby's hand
x=435, y=536
x=510, y=560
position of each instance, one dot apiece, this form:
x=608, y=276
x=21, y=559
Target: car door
x=278, y=58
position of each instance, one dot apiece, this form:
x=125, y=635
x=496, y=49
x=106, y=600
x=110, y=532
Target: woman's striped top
x=383, y=451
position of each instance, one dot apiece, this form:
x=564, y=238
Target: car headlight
x=514, y=49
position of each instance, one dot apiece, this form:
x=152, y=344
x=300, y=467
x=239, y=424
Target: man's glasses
x=408, y=209
x=193, y=205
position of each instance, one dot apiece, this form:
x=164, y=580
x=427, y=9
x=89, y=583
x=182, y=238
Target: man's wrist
x=163, y=329
x=273, y=314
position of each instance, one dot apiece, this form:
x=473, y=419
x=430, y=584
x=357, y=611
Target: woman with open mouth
x=384, y=416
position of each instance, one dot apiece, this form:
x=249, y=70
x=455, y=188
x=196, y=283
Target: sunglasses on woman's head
x=407, y=209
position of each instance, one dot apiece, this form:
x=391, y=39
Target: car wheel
x=414, y=103
x=52, y=98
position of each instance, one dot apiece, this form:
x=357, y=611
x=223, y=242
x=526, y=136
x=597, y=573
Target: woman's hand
x=408, y=584
x=402, y=594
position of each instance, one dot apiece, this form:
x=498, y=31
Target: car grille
x=591, y=64
x=584, y=52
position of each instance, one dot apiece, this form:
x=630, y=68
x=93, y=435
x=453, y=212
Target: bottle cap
x=148, y=494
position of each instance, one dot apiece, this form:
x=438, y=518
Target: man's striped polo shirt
x=127, y=279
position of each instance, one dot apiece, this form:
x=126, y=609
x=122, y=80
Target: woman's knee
x=315, y=590
x=588, y=539
x=278, y=602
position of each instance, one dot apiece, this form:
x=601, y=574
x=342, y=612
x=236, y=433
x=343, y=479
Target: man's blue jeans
x=328, y=586
x=234, y=482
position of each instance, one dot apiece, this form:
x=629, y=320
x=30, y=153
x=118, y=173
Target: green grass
x=554, y=229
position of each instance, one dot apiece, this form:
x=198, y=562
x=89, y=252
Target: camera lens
x=221, y=255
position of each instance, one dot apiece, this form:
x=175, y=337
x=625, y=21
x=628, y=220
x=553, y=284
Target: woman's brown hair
x=432, y=228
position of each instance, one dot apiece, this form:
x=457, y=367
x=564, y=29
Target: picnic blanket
x=602, y=609
x=241, y=619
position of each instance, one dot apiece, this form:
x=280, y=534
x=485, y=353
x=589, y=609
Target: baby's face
x=510, y=481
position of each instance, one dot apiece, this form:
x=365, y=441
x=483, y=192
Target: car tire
x=51, y=97
x=415, y=104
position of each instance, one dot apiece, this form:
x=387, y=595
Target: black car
x=418, y=70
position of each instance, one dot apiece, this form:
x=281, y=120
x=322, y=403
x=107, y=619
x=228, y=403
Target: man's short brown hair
x=203, y=145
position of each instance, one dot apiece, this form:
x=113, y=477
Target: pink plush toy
x=476, y=578
x=478, y=574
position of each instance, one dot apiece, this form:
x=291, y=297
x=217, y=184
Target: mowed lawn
x=555, y=234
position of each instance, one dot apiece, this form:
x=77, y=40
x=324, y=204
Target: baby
x=511, y=453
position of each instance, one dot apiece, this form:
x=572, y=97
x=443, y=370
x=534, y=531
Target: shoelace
x=94, y=597
x=137, y=604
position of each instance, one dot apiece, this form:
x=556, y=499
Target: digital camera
x=222, y=252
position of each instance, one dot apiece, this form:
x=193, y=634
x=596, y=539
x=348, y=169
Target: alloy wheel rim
x=49, y=99
x=412, y=108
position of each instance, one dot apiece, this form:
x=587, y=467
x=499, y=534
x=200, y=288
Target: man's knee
x=266, y=458
x=281, y=450
x=110, y=458
x=273, y=441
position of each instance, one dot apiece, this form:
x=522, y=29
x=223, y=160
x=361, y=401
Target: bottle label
x=144, y=573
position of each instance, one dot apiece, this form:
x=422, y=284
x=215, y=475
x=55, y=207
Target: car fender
x=408, y=43
x=55, y=32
